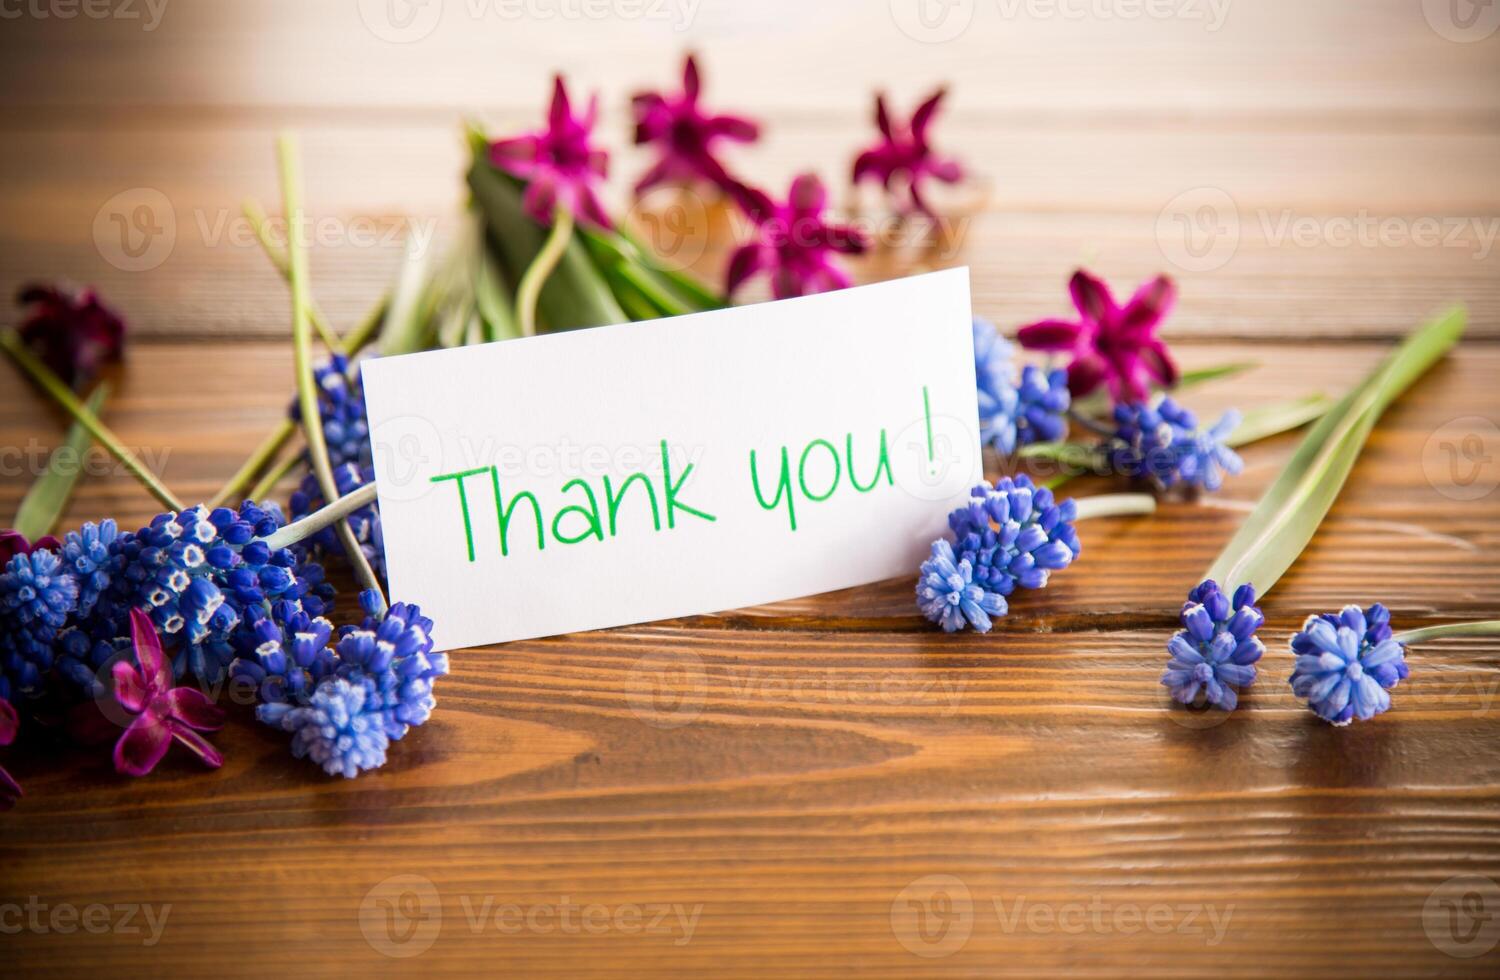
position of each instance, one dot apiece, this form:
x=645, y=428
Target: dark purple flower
x=10, y=790
x=1111, y=345
x=14, y=543
x=559, y=163
x=686, y=134
x=793, y=243
x=74, y=335
x=162, y=712
x=903, y=157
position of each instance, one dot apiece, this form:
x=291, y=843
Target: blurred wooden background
x=833, y=787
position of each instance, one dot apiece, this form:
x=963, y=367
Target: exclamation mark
x=927, y=411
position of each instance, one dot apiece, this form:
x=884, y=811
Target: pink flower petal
x=560, y=112
x=1158, y=361
x=1086, y=373
x=154, y=669
x=1149, y=306
x=690, y=82
x=193, y=708
x=744, y=263
x=736, y=128
x=807, y=195
x=130, y=686
x=1054, y=335
x=198, y=745
x=1092, y=298
x=9, y=723
x=883, y=117
x=142, y=746
x=923, y=116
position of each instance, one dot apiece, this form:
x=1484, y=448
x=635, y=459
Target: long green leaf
x=1270, y=420
x=43, y=505
x=1289, y=513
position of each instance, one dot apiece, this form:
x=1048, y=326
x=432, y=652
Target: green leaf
x=493, y=300
x=43, y=505
x=1270, y=420
x=1290, y=511
x=1489, y=627
x=1189, y=378
x=575, y=295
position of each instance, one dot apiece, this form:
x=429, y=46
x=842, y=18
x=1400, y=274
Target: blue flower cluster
x=1014, y=413
x=1163, y=444
x=1216, y=652
x=365, y=522
x=1347, y=663
x=1012, y=534
x=344, y=704
x=341, y=403
x=37, y=597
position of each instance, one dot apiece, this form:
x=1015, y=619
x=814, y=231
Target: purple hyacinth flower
x=903, y=157
x=1217, y=651
x=948, y=595
x=560, y=163
x=1347, y=663
x=686, y=135
x=1163, y=444
x=74, y=334
x=1110, y=345
x=793, y=243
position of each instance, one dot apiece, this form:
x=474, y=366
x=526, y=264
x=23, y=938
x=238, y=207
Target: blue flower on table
x=1347, y=663
x=948, y=595
x=1163, y=444
x=1216, y=652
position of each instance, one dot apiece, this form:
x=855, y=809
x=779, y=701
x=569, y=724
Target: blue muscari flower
x=393, y=652
x=1163, y=444
x=1346, y=663
x=84, y=660
x=1015, y=534
x=1217, y=652
x=365, y=522
x=287, y=654
x=197, y=574
x=1013, y=414
x=88, y=554
x=342, y=728
x=341, y=402
x=37, y=597
x=947, y=595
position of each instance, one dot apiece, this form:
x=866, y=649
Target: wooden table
x=824, y=787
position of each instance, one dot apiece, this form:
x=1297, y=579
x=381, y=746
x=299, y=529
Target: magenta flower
x=10, y=790
x=560, y=164
x=74, y=335
x=793, y=243
x=162, y=711
x=903, y=157
x=1111, y=345
x=14, y=543
x=686, y=134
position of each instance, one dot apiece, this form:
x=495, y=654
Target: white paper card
x=675, y=467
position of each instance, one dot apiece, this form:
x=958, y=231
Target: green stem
x=260, y=223
x=63, y=395
x=321, y=518
x=357, y=340
x=263, y=489
x=307, y=393
x=43, y=504
x=541, y=267
x=1115, y=505
x=1490, y=627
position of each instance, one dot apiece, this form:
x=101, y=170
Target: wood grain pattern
x=792, y=786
